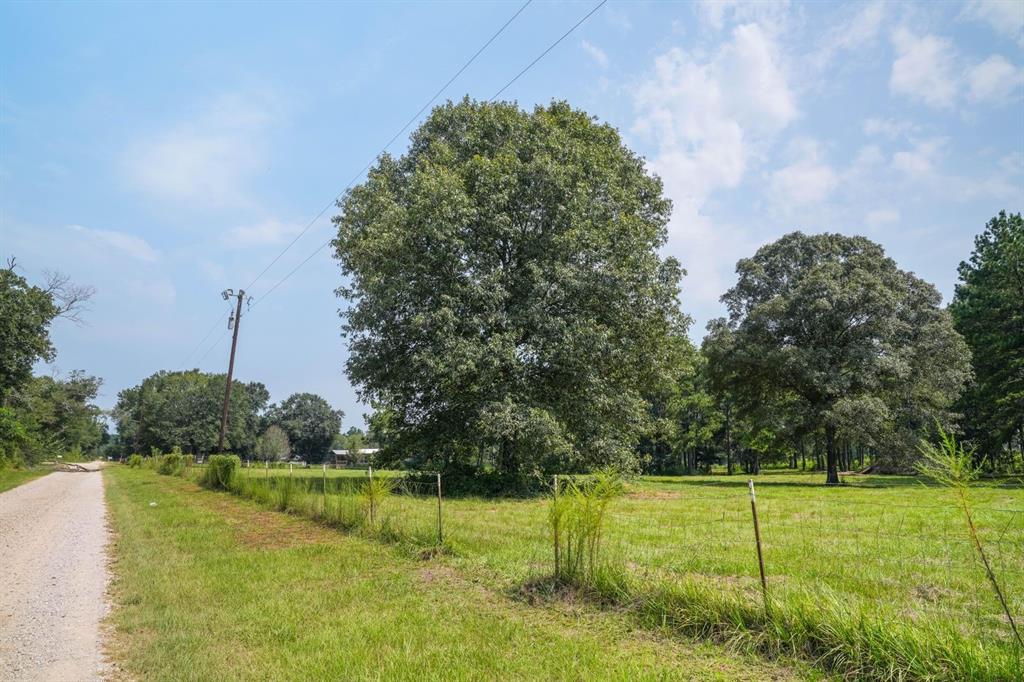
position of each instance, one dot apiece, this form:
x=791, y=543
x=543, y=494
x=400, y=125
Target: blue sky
x=164, y=152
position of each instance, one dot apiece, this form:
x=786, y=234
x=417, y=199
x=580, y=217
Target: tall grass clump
x=577, y=518
x=171, y=464
x=221, y=472
x=372, y=495
x=950, y=465
x=820, y=626
x=134, y=461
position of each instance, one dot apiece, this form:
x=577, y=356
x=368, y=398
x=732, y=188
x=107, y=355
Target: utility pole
x=236, y=319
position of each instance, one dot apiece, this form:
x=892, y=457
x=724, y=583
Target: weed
x=576, y=518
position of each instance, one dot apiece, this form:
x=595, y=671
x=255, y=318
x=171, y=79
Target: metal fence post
x=373, y=514
x=440, y=534
x=556, y=517
x=757, y=538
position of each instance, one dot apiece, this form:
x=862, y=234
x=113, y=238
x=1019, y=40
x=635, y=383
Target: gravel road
x=53, y=578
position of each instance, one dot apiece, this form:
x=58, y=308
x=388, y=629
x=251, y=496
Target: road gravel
x=53, y=578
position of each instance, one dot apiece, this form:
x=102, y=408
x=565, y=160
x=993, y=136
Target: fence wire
x=915, y=559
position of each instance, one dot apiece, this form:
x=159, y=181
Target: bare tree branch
x=69, y=298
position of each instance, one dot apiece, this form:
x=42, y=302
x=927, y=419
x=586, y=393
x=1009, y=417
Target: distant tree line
x=182, y=409
x=509, y=313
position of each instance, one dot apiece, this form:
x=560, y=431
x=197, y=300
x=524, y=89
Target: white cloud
x=924, y=68
x=864, y=28
x=881, y=217
x=617, y=18
x=1006, y=17
x=269, y=231
x=710, y=118
x=994, y=80
x=129, y=244
x=807, y=180
x=206, y=161
x=920, y=161
x=851, y=33
x=891, y=128
x=770, y=15
x=596, y=53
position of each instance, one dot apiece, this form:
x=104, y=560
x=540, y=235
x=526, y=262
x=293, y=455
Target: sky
x=164, y=152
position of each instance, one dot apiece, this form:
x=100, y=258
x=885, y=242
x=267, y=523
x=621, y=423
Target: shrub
x=135, y=461
x=221, y=472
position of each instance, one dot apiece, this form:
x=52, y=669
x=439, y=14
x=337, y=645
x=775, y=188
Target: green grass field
x=10, y=478
x=209, y=586
x=889, y=548
x=881, y=538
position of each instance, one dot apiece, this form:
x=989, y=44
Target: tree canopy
x=829, y=326
x=26, y=312
x=47, y=415
x=51, y=415
x=309, y=422
x=988, y=308
x=182, y=409
x=508, y=304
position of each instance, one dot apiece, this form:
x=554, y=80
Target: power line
x=505, y=87
x=293, y=271
x=388, y=144
x=550, y=47
x=351, y=182
x=200, y=344
x=215, y=344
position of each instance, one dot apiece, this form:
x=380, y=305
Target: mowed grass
x=890, y=549
x=11, y=478
x=210, y=587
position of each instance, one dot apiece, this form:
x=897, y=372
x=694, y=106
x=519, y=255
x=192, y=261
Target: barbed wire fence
x=915, y=560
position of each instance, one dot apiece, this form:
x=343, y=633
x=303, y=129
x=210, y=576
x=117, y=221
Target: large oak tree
x=832, y=327
x=507, y=302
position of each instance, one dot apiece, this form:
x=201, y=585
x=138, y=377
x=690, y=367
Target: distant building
x=353, y=457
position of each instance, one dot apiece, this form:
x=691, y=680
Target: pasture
x=889, y=551
x=210, y=586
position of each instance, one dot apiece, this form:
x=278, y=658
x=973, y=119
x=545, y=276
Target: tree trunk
x=832, y=478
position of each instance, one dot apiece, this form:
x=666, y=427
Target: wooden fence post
x=757, y=538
